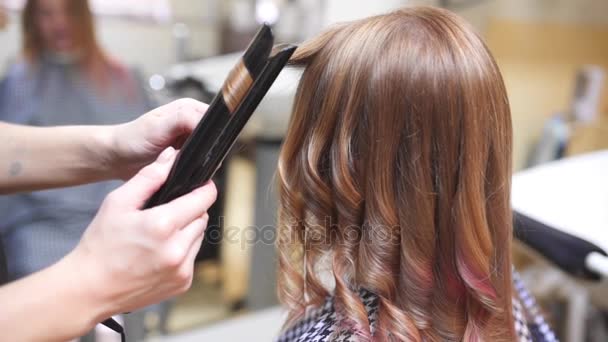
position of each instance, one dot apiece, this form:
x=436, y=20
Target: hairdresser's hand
x=129, y=258
x=138, y=142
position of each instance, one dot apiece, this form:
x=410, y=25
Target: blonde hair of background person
x=396, y=168
x=3, y=17
x=67, y=25
x=128, y=258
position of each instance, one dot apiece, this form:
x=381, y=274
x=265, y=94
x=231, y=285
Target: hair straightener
x=205, y=149
x=242, y=92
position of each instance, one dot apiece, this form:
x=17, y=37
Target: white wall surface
x=342, y=10
x=146, y=44
x=10, y=38
x=151, y=45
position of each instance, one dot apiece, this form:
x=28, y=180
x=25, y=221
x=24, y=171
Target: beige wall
x=590, y=12
x=539, y=46
x=539, y=62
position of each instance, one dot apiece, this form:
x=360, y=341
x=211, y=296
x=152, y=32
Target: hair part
x=401, y=136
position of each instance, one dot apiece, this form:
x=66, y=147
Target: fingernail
x=166, y=155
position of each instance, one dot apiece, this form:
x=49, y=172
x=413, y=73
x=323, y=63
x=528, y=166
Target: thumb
x=135, y=192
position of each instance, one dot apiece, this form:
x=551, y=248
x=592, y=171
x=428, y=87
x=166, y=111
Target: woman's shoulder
x=321, y=324
x=18, y=69
x=122, y=71
x=129, y=79
x=17, y=92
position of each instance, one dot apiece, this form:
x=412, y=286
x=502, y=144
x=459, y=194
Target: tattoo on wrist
x=15, y=168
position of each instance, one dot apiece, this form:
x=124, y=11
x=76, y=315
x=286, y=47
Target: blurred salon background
x=106, y=61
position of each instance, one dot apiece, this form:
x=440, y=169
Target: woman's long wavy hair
x=395, y=172
x=97, y=65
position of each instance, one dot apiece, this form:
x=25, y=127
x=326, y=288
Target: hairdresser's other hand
x=129, y=258
x=137, y=143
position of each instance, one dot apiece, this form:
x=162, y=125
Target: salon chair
x=561, y=212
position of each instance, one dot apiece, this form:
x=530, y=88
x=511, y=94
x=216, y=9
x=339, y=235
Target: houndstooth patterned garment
x=321, y=325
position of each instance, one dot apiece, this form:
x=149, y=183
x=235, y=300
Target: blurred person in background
x=128, y=257
x=63, y=77
x=3, y=17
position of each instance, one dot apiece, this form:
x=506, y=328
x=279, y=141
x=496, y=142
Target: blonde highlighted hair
x=396, y=168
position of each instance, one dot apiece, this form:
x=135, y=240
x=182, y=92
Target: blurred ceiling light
x=157, y=82
x=266, y=11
